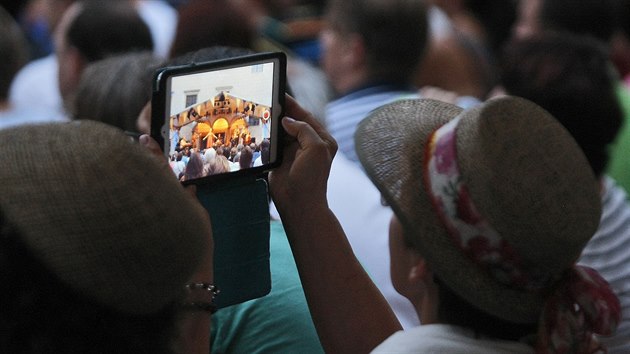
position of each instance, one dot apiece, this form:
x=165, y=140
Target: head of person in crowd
x=116, y=90
x=209, y=161
x=621, y=40
x=208, y=54
x=466, y=37
x=221, y=164
x=488, y=23
x=568, y=76
x=98, y=241
x=245, y=160
x=194, y=168
x=92, y=30
x=265, y=146
x=481, y=236
x=595, y=18
x=207, y=23
x=53, y=12
x=13, y=53
x=372, y=42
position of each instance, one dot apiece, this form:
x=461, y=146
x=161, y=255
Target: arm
x=349, y=312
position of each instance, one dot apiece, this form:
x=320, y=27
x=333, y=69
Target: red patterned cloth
x=582, y=303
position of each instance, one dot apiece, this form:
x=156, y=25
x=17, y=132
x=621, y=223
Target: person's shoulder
x=37, y=81
x=19, y=115
x=38, y=66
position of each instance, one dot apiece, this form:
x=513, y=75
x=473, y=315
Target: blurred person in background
x=597, y=19
x=38, y=80
x=567, y=74
x=14, y=55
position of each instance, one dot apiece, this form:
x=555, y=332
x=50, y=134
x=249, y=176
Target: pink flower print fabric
x=582, y=306
x=470, y=231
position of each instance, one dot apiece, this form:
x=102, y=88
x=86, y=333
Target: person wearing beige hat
x=492, y=207
x=101, y=248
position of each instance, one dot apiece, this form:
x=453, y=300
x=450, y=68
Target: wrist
x=200, y=297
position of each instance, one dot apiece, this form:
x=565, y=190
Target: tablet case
x=239, y=213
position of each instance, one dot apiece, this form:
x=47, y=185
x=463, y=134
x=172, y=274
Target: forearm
x=349, y=312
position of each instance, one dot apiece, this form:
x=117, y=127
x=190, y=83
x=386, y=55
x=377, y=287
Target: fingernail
x=143, y=139
x=289, y=119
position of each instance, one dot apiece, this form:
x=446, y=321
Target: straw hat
x=525, y=175
x=101, y=213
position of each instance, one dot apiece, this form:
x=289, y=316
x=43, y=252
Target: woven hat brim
x=101, y=213
x=390, y=144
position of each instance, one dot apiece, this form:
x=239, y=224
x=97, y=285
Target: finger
x=295, y=111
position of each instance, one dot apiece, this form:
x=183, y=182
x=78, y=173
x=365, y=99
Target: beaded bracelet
x=210, y=307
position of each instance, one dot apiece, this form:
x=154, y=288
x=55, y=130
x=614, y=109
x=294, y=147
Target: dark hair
x=622, y=11
x=265, y=151
x=13, y=52
x=569, y=76
x=104, y=28
x=247, y=155
x=206, y=23
x=40, y=314
x=209, y=54
x=586, y=17
x=394, y=33
x=497, y=17
x=194, y=166
x=116, y=89
x=454, y=310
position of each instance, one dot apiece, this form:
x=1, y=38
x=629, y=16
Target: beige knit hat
x=525, y=181
x=101, y=213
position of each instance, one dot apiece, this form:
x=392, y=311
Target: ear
x=354, y=55
x=419, y=271
x=77, y=62
x=423, y=290
x=71, y=65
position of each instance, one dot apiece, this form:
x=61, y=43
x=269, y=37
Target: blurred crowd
x=77, y=60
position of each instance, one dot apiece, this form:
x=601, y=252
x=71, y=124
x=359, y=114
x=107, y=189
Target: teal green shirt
x=619, y=163
x=277, y=323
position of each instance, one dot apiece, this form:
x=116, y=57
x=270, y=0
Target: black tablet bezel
x=160, y=106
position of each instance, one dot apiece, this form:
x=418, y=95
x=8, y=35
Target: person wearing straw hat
x=93, y=259
x=492, y=207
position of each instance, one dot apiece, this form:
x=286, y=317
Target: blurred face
x=527, y=21
x=331, y=45
x=337, y=57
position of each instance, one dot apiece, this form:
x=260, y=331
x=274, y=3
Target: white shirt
x=439, y=339
x=36, y=86
x=162, y=21
x=608, y=252
x=357, y=204
x=344, y=114
x=27, y=115
x=37, y=82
